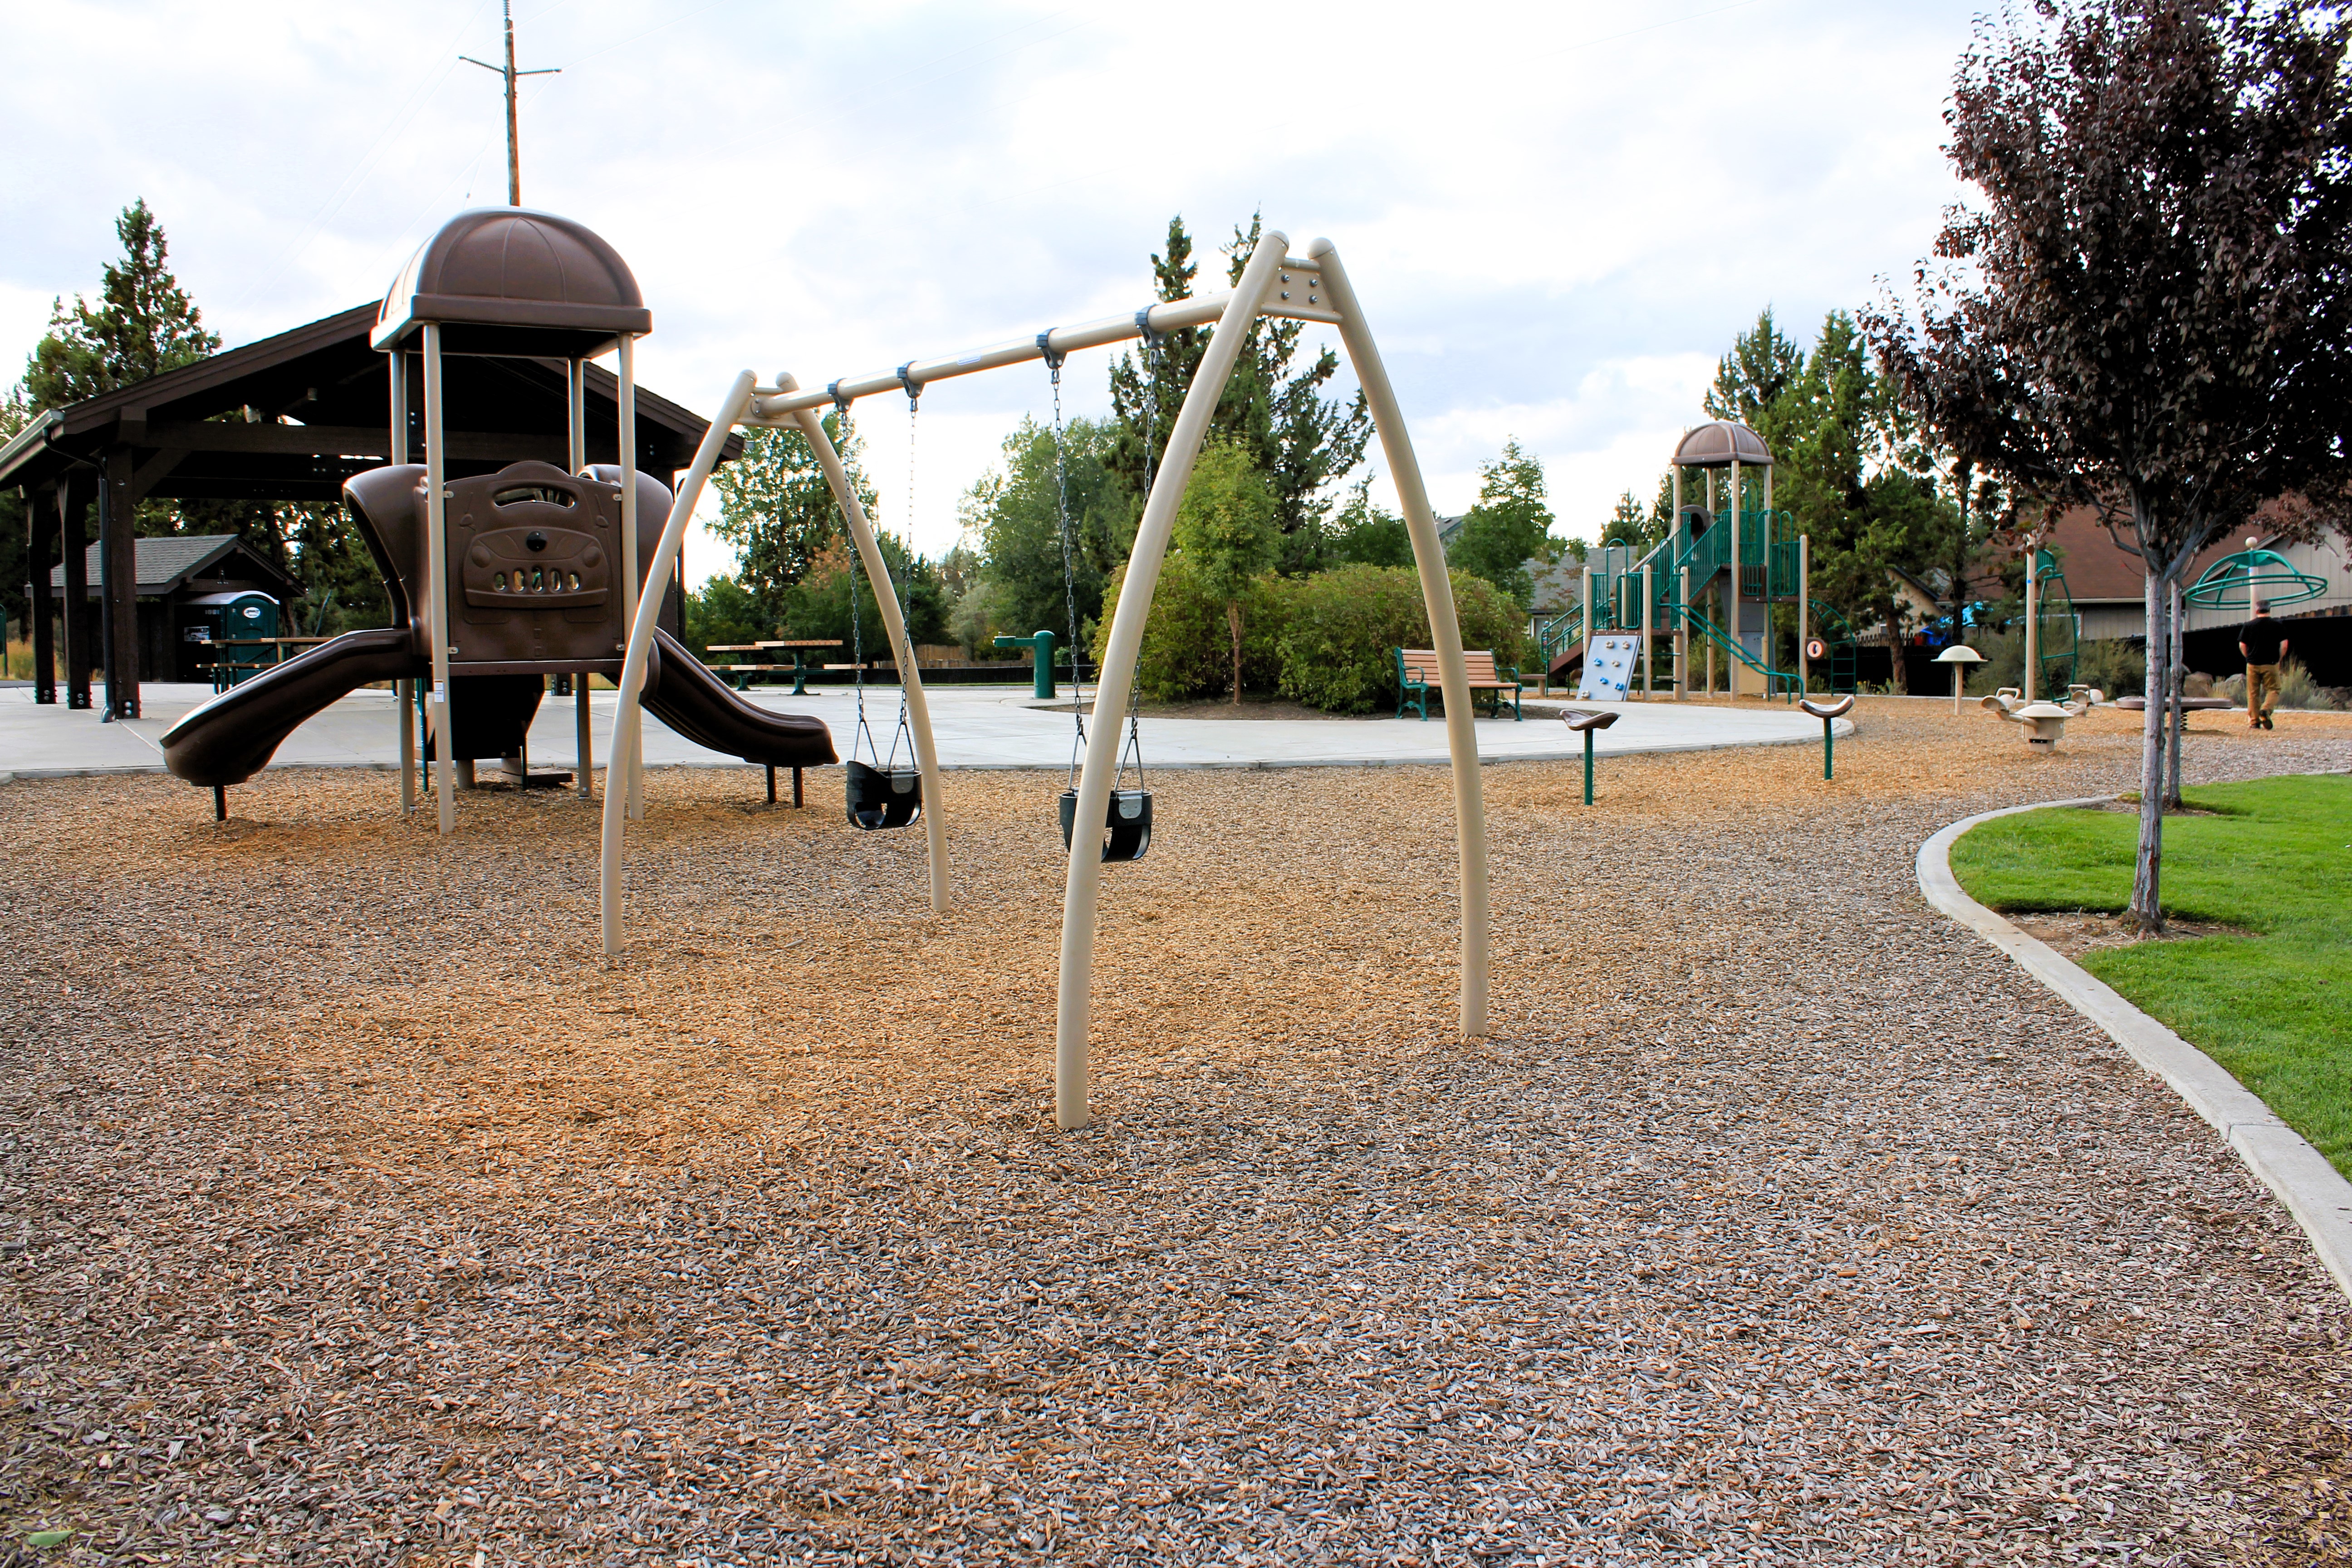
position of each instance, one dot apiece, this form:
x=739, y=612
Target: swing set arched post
x=1269, y=280
x=629, y=724
x=1313, y=289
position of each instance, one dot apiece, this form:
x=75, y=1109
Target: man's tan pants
x=2261, y=691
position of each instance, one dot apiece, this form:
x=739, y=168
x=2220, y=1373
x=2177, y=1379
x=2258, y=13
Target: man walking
x=2262, y=644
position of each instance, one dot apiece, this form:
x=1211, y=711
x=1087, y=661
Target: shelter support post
x=119, y=578
x=437, y=568
x=640, y=648
x=911, y=677
x=41, y=535
x=73, y=503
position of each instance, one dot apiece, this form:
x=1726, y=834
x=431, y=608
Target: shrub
x=1188, y=650
x=2297, y=689
x=1339, y=627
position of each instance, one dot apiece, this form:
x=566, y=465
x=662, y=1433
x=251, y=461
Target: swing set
x=1101, y=821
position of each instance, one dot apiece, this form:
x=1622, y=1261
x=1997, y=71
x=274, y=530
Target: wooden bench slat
x=1420, y=678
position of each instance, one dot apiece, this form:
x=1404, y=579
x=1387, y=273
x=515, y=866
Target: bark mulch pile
x=350, y=1210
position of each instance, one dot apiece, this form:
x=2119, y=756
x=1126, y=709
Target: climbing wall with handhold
x=1609, y=663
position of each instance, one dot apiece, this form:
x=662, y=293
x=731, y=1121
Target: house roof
x=167, y=560
x=2099, y=571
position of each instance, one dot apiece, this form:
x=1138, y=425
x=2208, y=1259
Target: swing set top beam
x=1297, y=295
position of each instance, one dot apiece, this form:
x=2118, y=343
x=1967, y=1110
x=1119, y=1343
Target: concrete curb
x=2315, y=1191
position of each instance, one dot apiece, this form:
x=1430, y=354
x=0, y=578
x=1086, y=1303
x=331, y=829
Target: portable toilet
x=234, y=619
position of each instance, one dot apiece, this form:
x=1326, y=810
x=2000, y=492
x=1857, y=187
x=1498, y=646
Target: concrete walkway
x=976, y=727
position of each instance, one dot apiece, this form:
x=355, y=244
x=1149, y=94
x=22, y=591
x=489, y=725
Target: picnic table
x=228, y=672
x=800, y=665
x=740, y=674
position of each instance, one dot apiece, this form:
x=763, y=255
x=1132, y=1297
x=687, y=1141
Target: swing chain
x=1069, y=560
x=857, y=622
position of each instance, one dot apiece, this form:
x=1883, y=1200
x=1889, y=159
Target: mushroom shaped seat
x=1960, y=653
x=1837, y=710
x=1581, y=720
x=509, y=280
x=2044, y=723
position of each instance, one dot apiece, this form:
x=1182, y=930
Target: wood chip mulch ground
x=352, y=1212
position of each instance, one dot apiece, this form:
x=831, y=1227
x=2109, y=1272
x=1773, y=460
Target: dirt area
x=351, y=1210
x=2077, y=931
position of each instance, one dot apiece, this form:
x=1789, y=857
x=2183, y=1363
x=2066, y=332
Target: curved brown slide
x=232, y=737
x=683, y=694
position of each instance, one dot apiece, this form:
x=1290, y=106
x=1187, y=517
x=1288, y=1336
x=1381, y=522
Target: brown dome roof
x=1718, y=443
x=509, y=280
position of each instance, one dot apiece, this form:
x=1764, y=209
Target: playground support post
x=630, y=713
x=1764, y=571
x=632, y=757
x=902, y=649
x=575, y=395
x=1829, y=748
x=1730, y=602
x=404, y=692
x=1649, y=630
x=1804, y=611
x=2032, y=549
x=1588, y=767
x=1588, y=623
x=1681, y=597
x=436, y=567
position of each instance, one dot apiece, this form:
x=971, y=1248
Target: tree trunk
x=2146, y=912
x=2176, y=682
x=1233, y=621
x=1898, y=680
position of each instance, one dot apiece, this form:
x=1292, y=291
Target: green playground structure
x=1683, y=588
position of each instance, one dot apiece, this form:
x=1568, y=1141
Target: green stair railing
x=1777, y=682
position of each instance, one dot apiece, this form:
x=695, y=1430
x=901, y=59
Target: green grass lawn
x=2275, y=1008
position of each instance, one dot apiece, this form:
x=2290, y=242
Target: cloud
x=1556, y=216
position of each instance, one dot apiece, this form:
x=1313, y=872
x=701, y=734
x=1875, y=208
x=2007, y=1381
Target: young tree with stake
x=2151, y=313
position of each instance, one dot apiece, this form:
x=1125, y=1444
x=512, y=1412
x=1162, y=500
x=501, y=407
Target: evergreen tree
x=142, y=324
x=1761, y=365
x=1366, y=534
x=1272, y=409
x=1510, y=526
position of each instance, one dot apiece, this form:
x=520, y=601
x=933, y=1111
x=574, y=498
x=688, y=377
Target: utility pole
x=514, y=153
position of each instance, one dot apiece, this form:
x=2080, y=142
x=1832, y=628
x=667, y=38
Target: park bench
x=1417, y=680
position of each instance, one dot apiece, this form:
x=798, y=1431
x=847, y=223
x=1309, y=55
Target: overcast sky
x=1556, y=216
